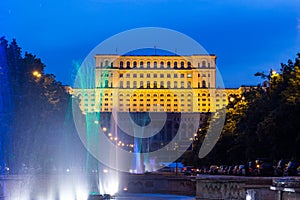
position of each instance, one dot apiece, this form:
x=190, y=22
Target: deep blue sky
x=247, y=36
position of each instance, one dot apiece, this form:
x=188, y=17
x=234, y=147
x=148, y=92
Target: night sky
x=246, y=36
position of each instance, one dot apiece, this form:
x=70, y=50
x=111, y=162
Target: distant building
x=171, y=84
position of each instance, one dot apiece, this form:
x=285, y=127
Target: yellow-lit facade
x=169, y=84
x=154, y=84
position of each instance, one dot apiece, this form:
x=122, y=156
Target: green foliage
x=40, y=126
x=264, y=121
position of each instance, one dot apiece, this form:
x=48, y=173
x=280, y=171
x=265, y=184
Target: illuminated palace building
x=181, y=86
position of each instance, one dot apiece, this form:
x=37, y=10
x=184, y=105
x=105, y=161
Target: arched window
x=175, y=84
x=161, y=84
x=175, y=65
x=141, y=64
x=208, y=64
x=106, y=83
x=168, y=64
x=155, y=84
x=121, y=65
x=168, y=84
x=106, y=63
x=128, y=64
x=161, y=64
x=134, y=64
x=189, y=65
x=141, y=84
x=182, y=84
x=134, y=84
x=182, y=64
x=203, y=84
x=148, y=64
x=203, y=63
x=155, y=64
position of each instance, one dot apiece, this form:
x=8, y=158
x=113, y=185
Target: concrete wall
x=166, y=184
x=234, y=187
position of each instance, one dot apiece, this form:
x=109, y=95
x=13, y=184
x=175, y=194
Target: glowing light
x=36, y=74
x=116, y=138
x=109, y=134
x=248, y=197
x=105, y=171
x=231, y=99
x=104, y=129
x=274, y=73
x=125, y=189
x=80, y=194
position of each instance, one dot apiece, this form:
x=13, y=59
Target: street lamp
x=36, y=74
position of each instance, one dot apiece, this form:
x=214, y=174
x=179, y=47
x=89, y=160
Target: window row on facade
x=154, y=75
x=161, y=84
x=161, y=65
x=154, y=84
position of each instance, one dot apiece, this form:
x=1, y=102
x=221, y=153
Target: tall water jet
x=140, y=160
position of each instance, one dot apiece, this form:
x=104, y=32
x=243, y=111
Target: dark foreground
x=153, y=197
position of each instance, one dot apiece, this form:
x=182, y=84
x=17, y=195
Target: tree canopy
x=37, y=129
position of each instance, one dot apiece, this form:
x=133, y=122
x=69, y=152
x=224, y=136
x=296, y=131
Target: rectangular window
x=154, y=75
x=161, y=75
x=142, y=75
x=148, y=75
